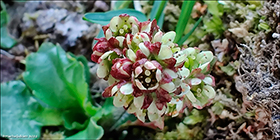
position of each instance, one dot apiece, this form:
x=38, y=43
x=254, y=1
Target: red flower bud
x=99, y=49
x=121, y=68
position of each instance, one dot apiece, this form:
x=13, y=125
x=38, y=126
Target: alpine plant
x=148, y=74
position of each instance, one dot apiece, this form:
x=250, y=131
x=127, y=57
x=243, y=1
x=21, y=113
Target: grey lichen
x=52, y=135
x=260, y=66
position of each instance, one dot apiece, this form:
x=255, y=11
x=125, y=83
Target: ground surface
x=247, y=77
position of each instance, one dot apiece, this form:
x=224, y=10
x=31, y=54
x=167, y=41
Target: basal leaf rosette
x=195, y=81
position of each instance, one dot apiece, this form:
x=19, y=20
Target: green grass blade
x=121, y=4
x=183, y=39
x=183, y=19
x=157, y=9
x=3, y=7
x=157, y=12
x=161, y=20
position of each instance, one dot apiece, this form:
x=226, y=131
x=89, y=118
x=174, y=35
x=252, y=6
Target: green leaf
x=48, y=116
x=106, y=109
x=108, y=106
x=21, y=114
x=183, y=39
x=4, y=15
x=121, y=4
x=121, y=118
x=84, y=61
x=93, y=131
x=228, y=69
x=195, y=117
x=217, y=108
x=56, y=78
x=74, y=119
x=214, y=8
x=104, y=18
x=161, y=20
x=214, y=26
x=157, y=12
x=3, y=7
x=7, y=41
x=183, y=19
x=4, y=18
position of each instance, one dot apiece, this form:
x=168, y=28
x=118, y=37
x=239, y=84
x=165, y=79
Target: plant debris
x=260, y=66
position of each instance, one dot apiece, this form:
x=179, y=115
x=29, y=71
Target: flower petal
x=131, y=109
x=205, y=66
x=205, y=56
x=191, y=97
x=158, y=75
x=111, y=80
x=144, y=37
x=157, y=37
x=102, y=70
x=139, y=85
x=114, y=89
x=145, y=26
x=171, y=73
x=185, y=89
x=179, y=106
x=209, y=91
x=195, y=81
x=118, y=101
x=138, y=101
x=113, y=23
x=170, y=87
x=149, y=65
x=152, y=108
x=108, y=34
x=165, y=52
x=180, y=57
x=153, y=116
x=208, y=80
x=106, y=54
x=138, y=70
x=144, y=49
x=131, y=55
x=120, y=39
x=184, y=72
x=134, y=29
x=141, y=116
x=132, y=20
x=191, y=52
x=168, y=37
x=126, y=89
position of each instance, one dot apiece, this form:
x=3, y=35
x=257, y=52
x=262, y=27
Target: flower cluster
x=148, y=74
